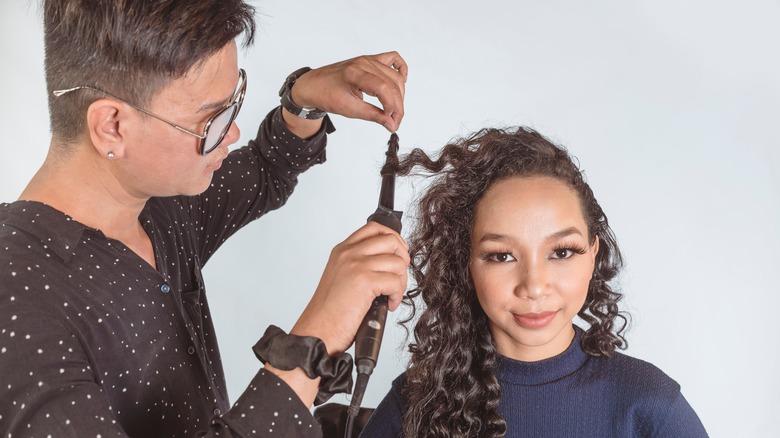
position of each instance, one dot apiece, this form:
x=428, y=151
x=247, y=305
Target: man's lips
x=214, y=167
x=534, y=320
x=217, y=164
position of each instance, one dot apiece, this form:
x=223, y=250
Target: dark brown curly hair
x=452, y=389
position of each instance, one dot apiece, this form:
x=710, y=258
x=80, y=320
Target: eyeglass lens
x=219, y=128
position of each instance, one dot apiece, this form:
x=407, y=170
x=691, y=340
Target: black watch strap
x=287, y=102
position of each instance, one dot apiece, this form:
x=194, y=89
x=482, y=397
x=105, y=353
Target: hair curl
x=451, y=387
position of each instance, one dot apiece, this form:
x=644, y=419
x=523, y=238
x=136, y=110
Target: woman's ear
x=104, y=117
x=595, y=248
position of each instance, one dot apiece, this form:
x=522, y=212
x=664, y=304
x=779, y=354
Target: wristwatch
x=289, y=105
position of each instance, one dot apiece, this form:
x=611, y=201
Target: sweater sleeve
x=681, y=421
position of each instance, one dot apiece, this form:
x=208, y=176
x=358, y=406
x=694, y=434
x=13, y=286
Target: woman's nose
x=534, y=280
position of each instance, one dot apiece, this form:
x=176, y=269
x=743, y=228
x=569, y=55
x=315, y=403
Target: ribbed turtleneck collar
x=547, y=370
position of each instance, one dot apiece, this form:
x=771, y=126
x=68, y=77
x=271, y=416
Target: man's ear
x=104, y=117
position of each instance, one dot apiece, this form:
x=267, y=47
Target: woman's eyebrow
x=563, y=233
x=494, y=237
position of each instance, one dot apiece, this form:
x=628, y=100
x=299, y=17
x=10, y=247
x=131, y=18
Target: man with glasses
x=209, y=138
x=105, y=328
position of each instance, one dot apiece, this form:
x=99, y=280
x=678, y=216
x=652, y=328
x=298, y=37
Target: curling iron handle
x=368, y=338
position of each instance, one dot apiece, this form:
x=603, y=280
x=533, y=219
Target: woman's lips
x=534, y=320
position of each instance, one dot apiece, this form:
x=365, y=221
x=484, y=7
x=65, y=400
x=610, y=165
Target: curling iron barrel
x=369, y=336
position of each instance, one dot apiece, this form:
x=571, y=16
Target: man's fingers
x=395, y=61
x=375, y=229
x=377, y=76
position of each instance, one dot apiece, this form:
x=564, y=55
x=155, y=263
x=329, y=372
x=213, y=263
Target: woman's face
x=531, y=262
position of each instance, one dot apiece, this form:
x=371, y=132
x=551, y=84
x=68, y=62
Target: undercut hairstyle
x=129, y=48
x=451, y=387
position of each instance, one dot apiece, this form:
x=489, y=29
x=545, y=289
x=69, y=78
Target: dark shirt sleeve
x=269, y=407
x=253, y=180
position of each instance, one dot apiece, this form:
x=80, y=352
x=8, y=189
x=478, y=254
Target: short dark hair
x=130, y=48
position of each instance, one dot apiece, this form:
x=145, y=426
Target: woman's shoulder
x=630, y=374
x=397, y=395
x=644, y=393
x=398, y=385
x=387, y=418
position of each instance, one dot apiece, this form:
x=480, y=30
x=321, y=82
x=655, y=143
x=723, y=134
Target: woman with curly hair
x=511, y=246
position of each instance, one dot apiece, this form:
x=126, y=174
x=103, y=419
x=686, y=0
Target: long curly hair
x=452, y=390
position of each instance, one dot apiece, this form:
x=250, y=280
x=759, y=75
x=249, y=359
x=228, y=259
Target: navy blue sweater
x=573, y=395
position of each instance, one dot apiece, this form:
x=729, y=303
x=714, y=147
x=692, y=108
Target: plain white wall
x=671, y=107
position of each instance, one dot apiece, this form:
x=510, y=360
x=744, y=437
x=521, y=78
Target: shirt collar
x=57, y=231
x=547, y=370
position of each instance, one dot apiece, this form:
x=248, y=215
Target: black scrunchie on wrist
x=288, y=352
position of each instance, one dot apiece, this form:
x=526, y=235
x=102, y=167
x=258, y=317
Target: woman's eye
x=501, y=257
x=562, y=253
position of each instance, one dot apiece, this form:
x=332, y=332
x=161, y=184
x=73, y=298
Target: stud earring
x=110, y=155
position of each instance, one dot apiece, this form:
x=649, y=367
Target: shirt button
x=217, y=411
x=191, y=349
x=165, y=288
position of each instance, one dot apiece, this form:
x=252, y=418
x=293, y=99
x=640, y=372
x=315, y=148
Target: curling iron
x=368, y=338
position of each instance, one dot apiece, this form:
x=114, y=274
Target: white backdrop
x=671, y=107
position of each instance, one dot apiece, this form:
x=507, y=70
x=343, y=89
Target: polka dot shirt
x=94, y=342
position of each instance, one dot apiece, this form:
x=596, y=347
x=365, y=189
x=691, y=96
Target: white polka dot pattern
x=94, y=342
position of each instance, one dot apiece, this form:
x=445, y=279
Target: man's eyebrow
x=213, y=106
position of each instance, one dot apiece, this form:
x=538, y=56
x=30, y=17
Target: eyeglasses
x=217, y=126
